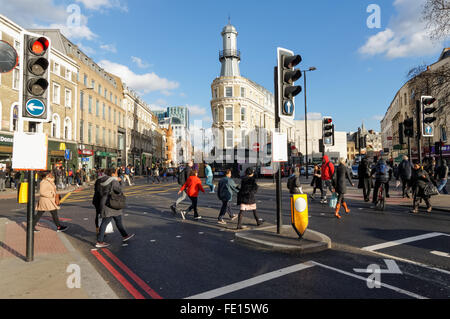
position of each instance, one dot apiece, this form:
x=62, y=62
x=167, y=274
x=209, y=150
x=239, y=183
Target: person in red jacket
x=327, y=175
x=193, y=185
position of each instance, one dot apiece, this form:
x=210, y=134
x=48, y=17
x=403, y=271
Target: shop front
x=146, y=161
x=85, y=159
x=105, y=159
x=6, y=148
x=62, y=154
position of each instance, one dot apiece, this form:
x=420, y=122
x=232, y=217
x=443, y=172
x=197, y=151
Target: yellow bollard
x=23, y=193
x=299, y=213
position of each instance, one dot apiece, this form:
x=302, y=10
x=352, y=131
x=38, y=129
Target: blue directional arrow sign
x=35, y=107
x=429, y=130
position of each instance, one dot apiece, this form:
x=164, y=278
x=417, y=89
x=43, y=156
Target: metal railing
x=229, y=54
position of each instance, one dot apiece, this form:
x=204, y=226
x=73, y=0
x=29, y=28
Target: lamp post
x=306, y=120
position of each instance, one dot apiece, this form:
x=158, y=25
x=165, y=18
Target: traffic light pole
x=419, y=132
x=278, y=174
x=306, y=128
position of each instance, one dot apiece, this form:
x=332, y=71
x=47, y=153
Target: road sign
x=428, y=130
x=67, y=155
x=9, y=58
x=35, y=107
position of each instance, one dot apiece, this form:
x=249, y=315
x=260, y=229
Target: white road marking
x=251, y=282
x=405, y=292
x=440, y=253
x=402, y=241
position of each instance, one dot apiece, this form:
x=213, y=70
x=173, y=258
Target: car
x=355, y=171
x=310, y=170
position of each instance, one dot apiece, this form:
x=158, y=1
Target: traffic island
x=287, y=241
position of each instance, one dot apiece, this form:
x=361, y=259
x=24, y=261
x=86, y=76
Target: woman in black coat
x=419, y=181
x=339, y=184
x=316, y=181
x=246, y=198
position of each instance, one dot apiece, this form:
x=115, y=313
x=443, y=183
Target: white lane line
x=405, y=292
x=440, y=253
x=251, y=282
x=402, y=241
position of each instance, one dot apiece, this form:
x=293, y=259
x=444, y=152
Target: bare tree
x=436, y=14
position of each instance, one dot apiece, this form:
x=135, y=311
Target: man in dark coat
x=442, y=177
x=225, y=192
x=364, y=178
x=96, y=200
x=404, y=173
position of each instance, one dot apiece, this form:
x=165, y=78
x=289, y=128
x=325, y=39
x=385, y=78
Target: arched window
x=67, y=129
x=56, y=126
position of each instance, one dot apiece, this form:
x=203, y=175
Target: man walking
x=209, y=177
x=404, y=173
x=182, y=178
x=225, y=193
x=127, y=175
x=442, y=176
x=327, y=174
x=364, y=178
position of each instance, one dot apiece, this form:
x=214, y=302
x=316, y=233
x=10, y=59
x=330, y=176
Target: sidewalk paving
x=49, y=275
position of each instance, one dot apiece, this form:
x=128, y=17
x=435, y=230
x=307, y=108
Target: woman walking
x=209, y=178
x=340, y=175
x=317, y=181
x=246, y=198
x=110, y=186
x=419, y=181
x=48, y=202
x=193, y=185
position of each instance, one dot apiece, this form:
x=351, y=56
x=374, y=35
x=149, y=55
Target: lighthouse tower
x=230, y=56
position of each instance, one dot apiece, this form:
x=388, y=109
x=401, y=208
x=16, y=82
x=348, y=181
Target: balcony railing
x=229, y=54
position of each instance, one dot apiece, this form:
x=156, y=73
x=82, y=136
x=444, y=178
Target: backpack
x=181, y=177
x=381, y=169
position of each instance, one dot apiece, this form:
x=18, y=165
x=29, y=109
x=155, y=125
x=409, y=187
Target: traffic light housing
x=401, y=134
x=328, y=131
x=34, y=89
x=427, y=115
x=286, y=76
x=408, y=125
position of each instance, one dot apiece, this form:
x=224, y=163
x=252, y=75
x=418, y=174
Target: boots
x=336, y=213
x=344, y=204
x=239, y=225
x=259, y=221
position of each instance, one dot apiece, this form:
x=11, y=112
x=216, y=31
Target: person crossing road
x=183, y=176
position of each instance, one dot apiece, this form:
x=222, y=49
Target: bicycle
x=381, y=198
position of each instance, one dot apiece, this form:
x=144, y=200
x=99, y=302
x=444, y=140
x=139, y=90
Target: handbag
x=333, y=201
x=57, y=200
x=109, y=229
x=116, y=201
x=430, y=190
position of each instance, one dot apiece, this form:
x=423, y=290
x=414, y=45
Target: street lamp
x=306, y=119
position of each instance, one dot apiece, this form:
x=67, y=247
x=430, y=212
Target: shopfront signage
x=6, y=139
x=86, y=152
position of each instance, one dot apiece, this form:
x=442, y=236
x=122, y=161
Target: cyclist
x=382, y=175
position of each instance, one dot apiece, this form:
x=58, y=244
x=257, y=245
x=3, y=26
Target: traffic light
x=34, y=93
x=287, y=75
x=328, y=131
x=408, y=125
x=401, y=133
x=427, y=115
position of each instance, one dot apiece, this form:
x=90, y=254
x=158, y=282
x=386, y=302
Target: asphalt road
x=172, y=259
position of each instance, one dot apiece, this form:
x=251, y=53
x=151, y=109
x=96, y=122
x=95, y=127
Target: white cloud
x=139, y=62
x=144, y=83
x=109, y=47
x=100, y=4
x=196, y=110
x=377, y=117
x=87, y=50
x=405, y=36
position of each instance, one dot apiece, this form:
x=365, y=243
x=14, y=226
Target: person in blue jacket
x=209, y=177
x=225, y=192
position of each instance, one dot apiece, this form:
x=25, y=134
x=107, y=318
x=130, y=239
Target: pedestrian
x=209, y=177
x=183, y=175
x=156, y=174
x=404, y=174
x=70, y=176
x=327, y=171
x=419, y=181
x=293, y=183
x=316, y=182
x=48, y=202
x=192, y=186
x=78, y=178
x=225, y=192
x=99, y=199
x=164, y=174
x=2, y=179
x=149, y=175
x=339, y=184
x=246, y=198
x=442, y=177
x=111, y=186
x=127, y=175
x=364, y=178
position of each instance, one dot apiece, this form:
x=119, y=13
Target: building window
x=229, y=139
x=105, y=92
x=68, y=75
x=229, y=113
x=97, y=108
x=56, y=68
x=104, y=137
x=109, y=113
x=16, y=79
x=244, y=139
x=68, y=97
x=90, y=104
x=81, y=101
x=216, y=94
x=56, y=93
x=81, y=131
x=85, y=80
x=67, y=129
x=242, y=92
x=97, y=135
x=114, y=117
x=243, y=114
x=104, y=112
x=99, y=89
x=56, y=125
x=93, y=84
x=90, y=133
x=229, y=91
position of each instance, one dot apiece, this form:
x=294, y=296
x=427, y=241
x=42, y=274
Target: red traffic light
x=328, y=121
x=428, y=101
x=39, y=46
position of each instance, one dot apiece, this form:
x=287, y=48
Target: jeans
x=193, y=206
x=366, y=189
x=326, y=184
x=106, y=221
x=180, y=199
x=226, y=208
x=2, y=184
x=209, y=182
x=441, y=186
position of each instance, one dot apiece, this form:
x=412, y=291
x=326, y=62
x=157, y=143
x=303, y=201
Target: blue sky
x=168, y=50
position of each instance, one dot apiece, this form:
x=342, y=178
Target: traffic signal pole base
x=287, y=241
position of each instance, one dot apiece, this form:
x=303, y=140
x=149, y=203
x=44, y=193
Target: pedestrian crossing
x=129, y=191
